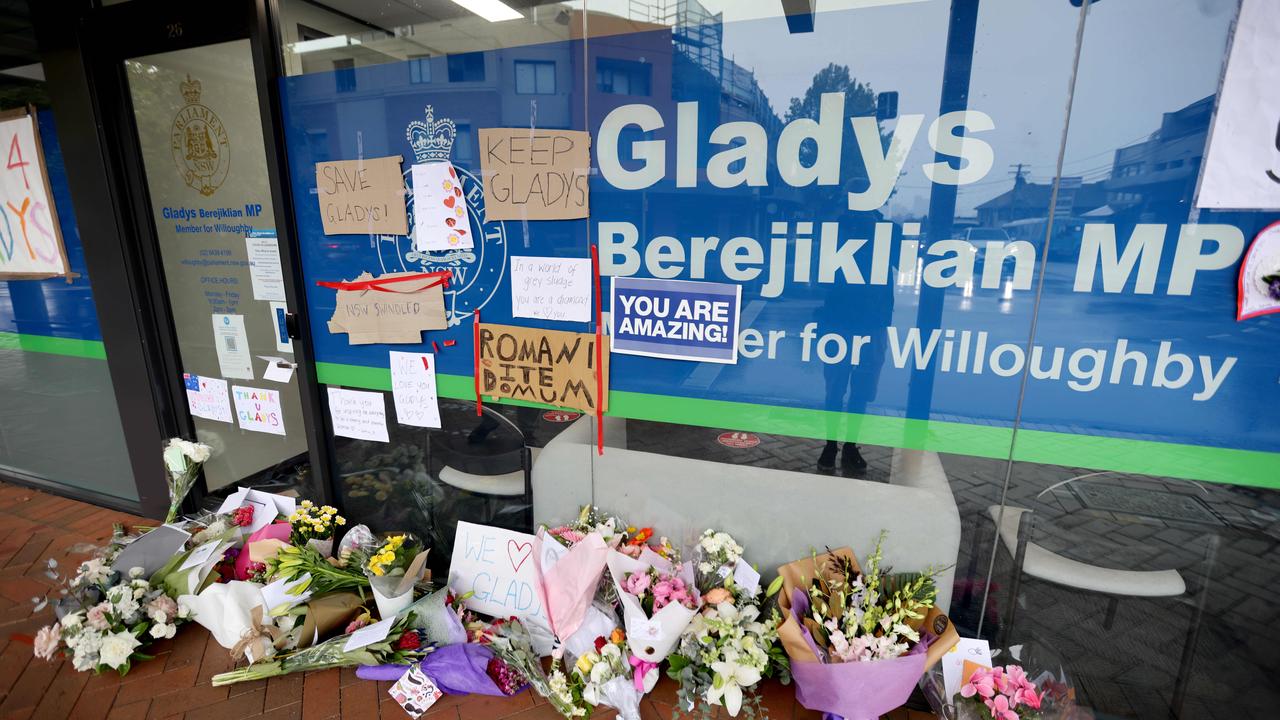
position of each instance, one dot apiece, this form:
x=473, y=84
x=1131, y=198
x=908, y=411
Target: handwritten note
x=31, y=246
x=413, y=387
x=535, y=174
x=551, y=288
x=258, y=409
x=369, y=634
x=357, y=414
x=207, y=397
x=496, y=566
x=547, y=366
x=362, y=196
x=440, y=221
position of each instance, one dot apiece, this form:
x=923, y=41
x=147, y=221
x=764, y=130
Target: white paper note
x=369, y=634
x=1242, y=165
x=258, y=409
x=551, y=288
x=232, y=345
x=207, y=397
x=201, y=554
x=357, y=414
x=978, y=651
x=440, y=219
x=276, y=594
x=413, y=387
x=746, y=577
x=266, y=505
x=278, y=369
x=264, y=268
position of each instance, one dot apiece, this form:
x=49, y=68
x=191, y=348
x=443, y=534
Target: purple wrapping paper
x=455, y=669
x=854, y=690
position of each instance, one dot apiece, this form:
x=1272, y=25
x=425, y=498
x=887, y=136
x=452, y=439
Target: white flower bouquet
x=118, y=617
x=182, y=460
x=610, y=675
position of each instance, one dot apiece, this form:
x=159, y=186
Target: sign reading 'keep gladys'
x=546, y=366
x=535, y=174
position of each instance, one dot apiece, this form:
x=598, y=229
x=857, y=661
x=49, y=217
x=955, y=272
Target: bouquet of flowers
x=859, y=640
x=570, y=561
x=393, y=569
x=510, y=641
x=182, y=461
x=727, y=648
x=117, y=617
x=658, y=601
x=999, y=693
x=315, y=526
x=402, y=645
x=294, y=561
x=611, y=676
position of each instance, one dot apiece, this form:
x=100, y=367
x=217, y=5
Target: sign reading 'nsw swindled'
x=534, y=174
x=545, y=366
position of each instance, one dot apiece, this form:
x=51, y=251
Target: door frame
x=157, y=26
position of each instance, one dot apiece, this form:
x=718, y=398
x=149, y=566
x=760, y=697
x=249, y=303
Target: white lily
x=730, y=678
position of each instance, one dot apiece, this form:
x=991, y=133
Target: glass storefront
x=979, y=306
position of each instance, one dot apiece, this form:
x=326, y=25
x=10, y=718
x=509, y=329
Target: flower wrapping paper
x=260, y=546
x=650, y=638
x=224, y=610
x=568, y=579
x=852, y=690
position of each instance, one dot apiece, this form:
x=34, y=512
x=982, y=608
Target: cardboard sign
x=1242, y=165
x=676, y=319
x=496, y=566
x=547, y=288
x=392, y=308
x=258, y=409
x=534, y=174
x=362, y=196
x=545, y=366
x=31, y=245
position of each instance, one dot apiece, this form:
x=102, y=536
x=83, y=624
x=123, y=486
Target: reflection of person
x=849, y=310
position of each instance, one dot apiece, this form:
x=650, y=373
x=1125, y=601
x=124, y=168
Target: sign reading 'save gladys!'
x=362, y=196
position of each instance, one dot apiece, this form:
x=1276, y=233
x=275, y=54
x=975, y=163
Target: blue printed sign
x=676, y=319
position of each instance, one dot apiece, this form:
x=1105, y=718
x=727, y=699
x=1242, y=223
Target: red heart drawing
x=450, y=222
x=457, y=191
x=448, y=202
x=460, y=231
x=451, y=172
x=518, y=550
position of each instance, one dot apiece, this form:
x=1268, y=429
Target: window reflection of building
x=623, y=77
x=535, y=77
x=1160, y=172
x=466, y=67
x=419, y=69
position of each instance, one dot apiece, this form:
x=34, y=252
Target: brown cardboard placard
x=552, y=367
x=535, y=174
x=362, y=196
x=378, y=311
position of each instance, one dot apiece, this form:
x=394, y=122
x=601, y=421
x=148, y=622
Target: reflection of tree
x=859, y=99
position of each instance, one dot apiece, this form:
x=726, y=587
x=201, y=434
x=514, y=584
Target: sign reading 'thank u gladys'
x=30, y=241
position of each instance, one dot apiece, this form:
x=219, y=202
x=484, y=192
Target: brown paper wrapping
x=328, y=613
x=797, y=574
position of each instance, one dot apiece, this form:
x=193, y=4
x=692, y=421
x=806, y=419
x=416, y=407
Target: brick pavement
x=35, y=526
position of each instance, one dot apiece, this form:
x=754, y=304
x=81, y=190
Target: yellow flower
x=341, y=520
x=584, y=664
x=306, y=503
x=376, y=569
x=380, y=496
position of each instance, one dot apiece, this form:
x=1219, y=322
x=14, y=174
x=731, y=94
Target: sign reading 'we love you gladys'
x=30, y=241
x=496, y=566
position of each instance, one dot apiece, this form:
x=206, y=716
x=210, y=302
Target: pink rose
x=162, y=609
x=715, y=596
x=46, y=643
x=631, y=551
x=96, y=618
x=636, y=583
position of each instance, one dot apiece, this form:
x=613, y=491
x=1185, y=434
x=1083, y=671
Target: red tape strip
x=595, y=272
x=476, y=341
x=440, y=276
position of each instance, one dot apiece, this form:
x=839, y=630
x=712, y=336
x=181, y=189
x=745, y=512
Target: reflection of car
x=979, y=238
x=980, y=235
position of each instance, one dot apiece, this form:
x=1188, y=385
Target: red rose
x=409, y=641
x=600, y=643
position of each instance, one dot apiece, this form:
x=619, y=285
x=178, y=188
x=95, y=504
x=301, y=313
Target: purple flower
x=1273, y=287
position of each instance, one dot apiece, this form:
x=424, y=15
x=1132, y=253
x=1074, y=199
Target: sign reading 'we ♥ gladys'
x=497, y=567
x=30, y=241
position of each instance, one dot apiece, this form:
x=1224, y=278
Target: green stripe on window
x=92, y=349
x=1147, y=457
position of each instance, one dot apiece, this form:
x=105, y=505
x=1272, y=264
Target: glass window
x=535, y=77
x=53, y=364
x=622, y=77
x=466, y=67
x=419, y=69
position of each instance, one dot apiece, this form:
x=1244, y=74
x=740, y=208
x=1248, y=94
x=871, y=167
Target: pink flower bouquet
x=569, y=567
x=658, y=601
x=1000, y=693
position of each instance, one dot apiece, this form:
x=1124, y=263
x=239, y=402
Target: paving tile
x=132, y=711
x=93, y=703
x=320, y=696
x=359, y=701
x=284, y=690
x=245, y=705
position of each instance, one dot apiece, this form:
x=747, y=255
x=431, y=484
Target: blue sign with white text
x=675, y=319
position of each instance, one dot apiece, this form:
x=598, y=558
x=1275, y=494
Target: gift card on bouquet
x=651, y=638
x=415, y=692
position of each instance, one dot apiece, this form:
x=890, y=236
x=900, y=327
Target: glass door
x=201, y=185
